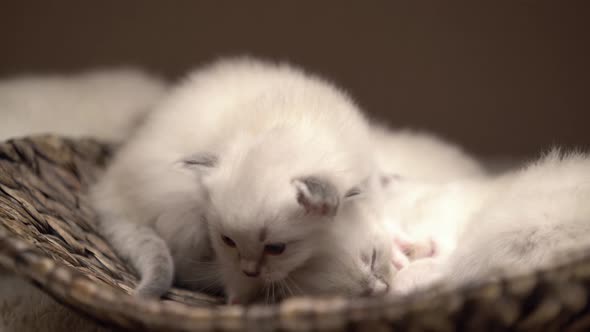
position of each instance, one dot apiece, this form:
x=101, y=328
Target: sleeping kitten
x=102, y=104
x=256, y=157
x=358, y=260
x=526, y=221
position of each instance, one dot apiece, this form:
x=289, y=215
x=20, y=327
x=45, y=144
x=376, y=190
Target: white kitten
x=265, y=151
x=526, y=220
x=357, y=260
x=101, y=104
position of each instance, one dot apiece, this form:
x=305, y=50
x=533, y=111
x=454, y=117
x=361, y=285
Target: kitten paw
x=399, y=259
x=418, y=275
x=414, y=249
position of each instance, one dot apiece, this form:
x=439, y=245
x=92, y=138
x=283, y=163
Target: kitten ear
x=317, y=196
x=200, y=161
x=387, y=180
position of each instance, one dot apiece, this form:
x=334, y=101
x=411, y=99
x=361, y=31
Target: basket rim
x=24, y=259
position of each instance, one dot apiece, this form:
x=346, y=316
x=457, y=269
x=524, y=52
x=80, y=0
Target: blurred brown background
x=500, y=77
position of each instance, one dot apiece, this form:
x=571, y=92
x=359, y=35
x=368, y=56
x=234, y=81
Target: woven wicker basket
x=46, y=236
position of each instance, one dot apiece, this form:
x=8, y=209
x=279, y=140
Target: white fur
x=346, y=266
x=433, y=214
x=541, y=212
x=101, y=104
x=267, y=125
x=415, y=166
x=525, y=220
x=422, y=156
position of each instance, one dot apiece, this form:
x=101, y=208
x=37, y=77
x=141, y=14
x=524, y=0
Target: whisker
x=296, y=286
x=287, y=286
x=283, y=285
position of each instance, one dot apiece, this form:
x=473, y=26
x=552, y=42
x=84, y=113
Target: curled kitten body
x=527, y=220
x=540, y=213
x=262, y=154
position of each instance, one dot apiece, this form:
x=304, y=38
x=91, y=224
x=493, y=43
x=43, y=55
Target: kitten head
x=366, y=247
x=372, y=262
x=355, y=262
x=263, y=225
x=268, y=235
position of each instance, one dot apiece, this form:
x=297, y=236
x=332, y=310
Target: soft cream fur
x=356, y=259
x=526, y=220
x=265, y=127
x=101, y=104
x=423, y=156
x=415, y=164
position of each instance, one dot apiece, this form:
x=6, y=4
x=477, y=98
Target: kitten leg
x=146, y=251
x=418, y=275
x=424, y=248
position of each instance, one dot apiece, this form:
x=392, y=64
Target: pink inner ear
x=322, y=209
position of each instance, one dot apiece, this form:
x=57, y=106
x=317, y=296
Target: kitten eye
x=365, y=259
x=274, y=248
x=229, y=242
x=373, y=258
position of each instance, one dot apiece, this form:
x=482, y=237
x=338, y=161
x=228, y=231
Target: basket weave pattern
x=47, y=237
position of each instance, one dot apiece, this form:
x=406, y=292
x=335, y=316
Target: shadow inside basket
x=43, y=184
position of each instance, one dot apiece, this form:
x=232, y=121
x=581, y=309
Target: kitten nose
x=250, y=268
